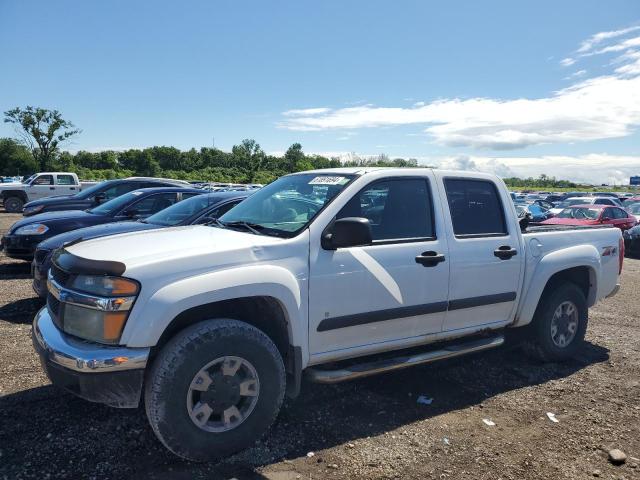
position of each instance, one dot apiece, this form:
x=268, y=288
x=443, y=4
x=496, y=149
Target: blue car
x=199, y=209
x=24, y=235
x=537, y=212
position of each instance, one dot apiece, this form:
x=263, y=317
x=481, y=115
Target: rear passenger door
x=150, y=205
x=485, y=252
x=65, y=184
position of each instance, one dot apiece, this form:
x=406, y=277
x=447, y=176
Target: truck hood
x=10, y=185
x=177, y=250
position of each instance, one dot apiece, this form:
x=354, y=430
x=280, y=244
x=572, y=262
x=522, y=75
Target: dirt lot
x=371, y=428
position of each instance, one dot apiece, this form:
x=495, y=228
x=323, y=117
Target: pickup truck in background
x=40, y=185
x=330, y=274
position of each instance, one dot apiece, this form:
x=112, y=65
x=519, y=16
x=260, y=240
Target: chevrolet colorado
x=329, y=274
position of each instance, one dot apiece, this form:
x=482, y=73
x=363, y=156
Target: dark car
x=632, y=241
x=196, y=210
x=24, y=235
x=97, y=194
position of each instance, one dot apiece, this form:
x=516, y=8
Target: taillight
x=621, y=254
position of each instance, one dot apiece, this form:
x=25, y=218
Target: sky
x=514, y=88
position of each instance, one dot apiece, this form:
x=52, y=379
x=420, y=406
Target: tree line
x=41, y=134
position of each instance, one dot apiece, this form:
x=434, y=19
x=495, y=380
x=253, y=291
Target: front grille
x=54, y=307
x=59, y=275
x=41, y=255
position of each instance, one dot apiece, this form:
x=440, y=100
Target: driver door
x=371, y=298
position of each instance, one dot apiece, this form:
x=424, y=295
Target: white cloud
x=606, y=106
x=305, y=111
x=567, y=62
x=579, y=73
x=600, y=37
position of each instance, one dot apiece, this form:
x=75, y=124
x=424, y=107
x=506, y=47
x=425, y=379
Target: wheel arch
x=21, y=194
x=580, y=265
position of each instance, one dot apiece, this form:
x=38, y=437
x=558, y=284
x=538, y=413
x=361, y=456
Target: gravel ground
x=372, y=428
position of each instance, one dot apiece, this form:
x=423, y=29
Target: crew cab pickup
x=39, y=185
x=331, y=275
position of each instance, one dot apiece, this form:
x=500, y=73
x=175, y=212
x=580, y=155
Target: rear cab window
x=66, y=180
x=476, y=208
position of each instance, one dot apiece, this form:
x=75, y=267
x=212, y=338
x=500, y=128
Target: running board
x=380, y=366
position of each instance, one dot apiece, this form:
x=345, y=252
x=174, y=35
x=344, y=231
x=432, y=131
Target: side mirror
x=347, y=232
x=99, y=198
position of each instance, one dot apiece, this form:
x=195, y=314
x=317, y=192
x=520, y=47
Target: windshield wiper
x=252, y=227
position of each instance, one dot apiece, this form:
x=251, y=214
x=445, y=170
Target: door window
x=397, y=209
x=620, y=214
x=603, y=201
x=476, y=209
x=66, y=180
x=117, y=190
x=43, y=180
x=152, y=204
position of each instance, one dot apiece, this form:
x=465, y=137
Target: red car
x=593, y=215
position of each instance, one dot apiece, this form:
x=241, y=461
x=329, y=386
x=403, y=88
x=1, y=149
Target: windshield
x=286, y=206
x=88, y=192
x=115, y=205
x=582, y=213
x=180, y=211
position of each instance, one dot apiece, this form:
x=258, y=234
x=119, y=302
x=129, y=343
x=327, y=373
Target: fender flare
x=21, y=194
x=161, y=307
x=555, y=262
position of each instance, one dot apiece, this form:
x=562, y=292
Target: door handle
x=52, y=188
x=505, y=252
x=430, y=258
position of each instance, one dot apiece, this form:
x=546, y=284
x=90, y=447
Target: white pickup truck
x=329, y=274
x=37, y=186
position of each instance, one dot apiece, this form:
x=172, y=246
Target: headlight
x=94, y=325
x=105, y=286
x=96, y=307
x=33, y=229
x=34, y=209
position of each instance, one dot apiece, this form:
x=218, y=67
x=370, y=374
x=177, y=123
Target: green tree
x=251, y=156
x=293, y=156
x=15, y=159
x=42, y=131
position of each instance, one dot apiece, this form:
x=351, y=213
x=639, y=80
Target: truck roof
x=404, y=170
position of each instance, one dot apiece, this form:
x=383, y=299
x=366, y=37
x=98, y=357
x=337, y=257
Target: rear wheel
x=560, y=323
x=214, y=389
x=13, y=204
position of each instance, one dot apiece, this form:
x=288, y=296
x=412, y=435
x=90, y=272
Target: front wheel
x=214, y=389
x=560, y=323
x=13, y=204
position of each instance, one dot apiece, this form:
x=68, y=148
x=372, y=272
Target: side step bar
x=380, y=366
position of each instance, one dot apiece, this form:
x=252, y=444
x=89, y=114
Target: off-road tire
x=170, y=376
x=540, y=344
x=13, y=204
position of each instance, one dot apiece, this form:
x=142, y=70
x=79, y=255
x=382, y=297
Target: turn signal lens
x=113, y=325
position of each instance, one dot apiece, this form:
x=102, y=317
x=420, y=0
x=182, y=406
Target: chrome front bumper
x=84, y=357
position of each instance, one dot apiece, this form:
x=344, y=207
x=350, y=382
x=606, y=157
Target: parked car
x=585, y=201
x=40, y=185
x=632, y=241
x=538, y=213
x=630, y=200
x=217, y=324
x=24, y=235
x=634, y=209
x=198, y=209
x=547, y=205
x=593, y=215
x=97, y=194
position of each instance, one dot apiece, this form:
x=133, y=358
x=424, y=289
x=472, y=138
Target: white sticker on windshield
x=324, y=180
